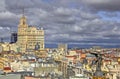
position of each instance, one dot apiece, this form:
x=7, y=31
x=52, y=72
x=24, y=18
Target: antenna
x=23, y=10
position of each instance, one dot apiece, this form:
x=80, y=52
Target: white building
x=79, y=76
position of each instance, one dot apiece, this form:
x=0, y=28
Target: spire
x=23, y=18
x=23, y=11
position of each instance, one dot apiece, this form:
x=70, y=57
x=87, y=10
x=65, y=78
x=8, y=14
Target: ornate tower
x=28, y=36
x=22, y=35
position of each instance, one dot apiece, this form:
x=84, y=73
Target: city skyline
x=75, y=22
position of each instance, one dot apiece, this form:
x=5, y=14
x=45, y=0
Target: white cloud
x=7, y=14
x=1, y=28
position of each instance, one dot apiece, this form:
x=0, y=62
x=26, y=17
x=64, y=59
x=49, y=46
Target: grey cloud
x=4, y=32
x=2, y=5
x=19, y=4
x=105, y=5
x=8, y=15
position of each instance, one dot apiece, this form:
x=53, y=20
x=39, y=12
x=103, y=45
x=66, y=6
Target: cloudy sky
x=75, y=22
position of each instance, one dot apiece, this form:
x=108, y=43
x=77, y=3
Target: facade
x=46, y=68
x=79, y=76
x=63, y=47
x=29, y=36
x=9, y=47
x=5, y=46
x=1, y=48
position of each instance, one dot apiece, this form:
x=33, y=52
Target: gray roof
x=79, y=64
x=90, y=55
x=10, y=76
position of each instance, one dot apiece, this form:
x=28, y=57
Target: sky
x=74, y=22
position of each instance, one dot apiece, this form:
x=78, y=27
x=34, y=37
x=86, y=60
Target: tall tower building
x=13, y=37
x=29, y=36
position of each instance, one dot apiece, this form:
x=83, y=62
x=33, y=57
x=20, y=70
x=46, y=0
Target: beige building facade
x=29, y=36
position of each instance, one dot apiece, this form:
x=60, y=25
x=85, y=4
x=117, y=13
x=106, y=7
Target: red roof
x=7, y=68
x=78, y=51
x=33, y=60
x=107, y=60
